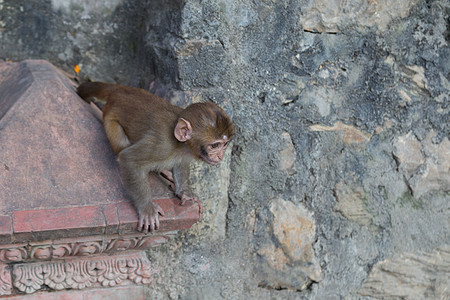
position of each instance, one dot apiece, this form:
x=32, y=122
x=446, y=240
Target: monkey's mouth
x=210, y=161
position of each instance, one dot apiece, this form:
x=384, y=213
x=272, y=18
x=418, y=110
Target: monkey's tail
x=96, y=94
x=88, y=90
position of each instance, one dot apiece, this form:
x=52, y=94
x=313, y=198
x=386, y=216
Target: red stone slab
x=175, y=217
x=56, y=223
x=53, y=151
x=111, y=218
x=58, y=175
x=5, y=229
x=56, y=219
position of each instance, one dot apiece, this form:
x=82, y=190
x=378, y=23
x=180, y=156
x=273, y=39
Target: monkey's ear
x=183, y=130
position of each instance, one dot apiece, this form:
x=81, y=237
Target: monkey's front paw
x=189, y=197
x=149, y=218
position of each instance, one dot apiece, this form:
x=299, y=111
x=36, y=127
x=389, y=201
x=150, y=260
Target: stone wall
x=337, y=183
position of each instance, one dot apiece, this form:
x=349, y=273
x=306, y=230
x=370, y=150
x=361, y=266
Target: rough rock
x=415, y=276
x=287, y=154
x=211, y=185
x=289, y=261
x=408, y=152
x=352, y=136
x=334, y=16
x=425, y=165
x=351, y=203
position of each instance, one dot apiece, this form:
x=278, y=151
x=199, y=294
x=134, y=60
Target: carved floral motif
x=138, y=243
x=63, y=249
x=76, y=272
x=82, y=273
x=13, y=254
x=78, y=276
x=28, y=279
x=5, y=280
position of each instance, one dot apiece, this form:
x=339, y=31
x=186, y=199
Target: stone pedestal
x=65, y=222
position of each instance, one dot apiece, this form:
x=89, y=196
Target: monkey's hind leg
x=115, y=133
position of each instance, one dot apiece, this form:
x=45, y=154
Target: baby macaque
x=149, y=134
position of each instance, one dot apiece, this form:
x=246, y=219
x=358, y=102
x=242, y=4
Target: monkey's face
x=206, y=129
x=214, y=152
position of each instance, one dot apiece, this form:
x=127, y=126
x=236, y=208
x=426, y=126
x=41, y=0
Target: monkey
x=149, y=134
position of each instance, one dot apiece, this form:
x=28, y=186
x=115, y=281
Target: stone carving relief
x=76, y=263
x=81, y=273
x=5, y=280
x=63, y=249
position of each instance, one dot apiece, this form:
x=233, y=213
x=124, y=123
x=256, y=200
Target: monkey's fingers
x=149, y=219
x=143, y=223
x=154, y=218
x=148, y=222
x=159, y=210
x=154, y=222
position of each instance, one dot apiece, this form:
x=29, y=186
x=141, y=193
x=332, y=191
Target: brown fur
x=150, y=134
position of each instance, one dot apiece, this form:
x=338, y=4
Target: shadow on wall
x=117, y=41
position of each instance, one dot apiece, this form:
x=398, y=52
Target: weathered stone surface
x=198, y=52
x=51, y=36
x=334, y=16
x=5, y=280
x=79, y=273
x=351, y=203
x=213, y=192
x=417, y=76
x=408, y=152
x=414, y=276
x=60, y=249
x=289, y=261
x=352, y=135
x=425, y=165
x=287, y=154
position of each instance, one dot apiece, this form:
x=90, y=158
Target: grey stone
x=334, y=16
x=425, y=165
x=289, y=261
x=414, y=276
x=351, y=203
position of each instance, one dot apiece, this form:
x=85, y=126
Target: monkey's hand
x=189, y=196
x=149, y=217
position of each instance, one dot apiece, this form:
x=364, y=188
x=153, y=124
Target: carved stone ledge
x=87, y=246
x=80, y=273
x=60, y=230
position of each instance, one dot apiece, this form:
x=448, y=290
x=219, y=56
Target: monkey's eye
x=215, y=145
